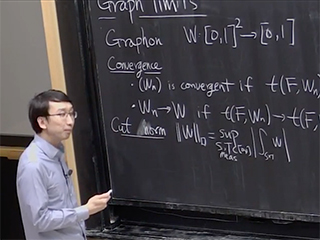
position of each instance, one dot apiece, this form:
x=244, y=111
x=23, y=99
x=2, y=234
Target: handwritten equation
x=206, y=124
x=231, y=34
x=300, y=118
x=227, y=142
x=211, y=37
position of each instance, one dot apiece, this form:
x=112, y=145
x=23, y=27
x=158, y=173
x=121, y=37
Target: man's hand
x=98, y=202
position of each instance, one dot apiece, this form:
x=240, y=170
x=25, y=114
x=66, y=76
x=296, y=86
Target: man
x=46, y=194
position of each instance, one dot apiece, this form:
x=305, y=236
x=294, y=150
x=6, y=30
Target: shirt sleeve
x=33, y=199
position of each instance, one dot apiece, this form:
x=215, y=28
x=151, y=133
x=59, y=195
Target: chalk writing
x=230, y=147
x=173, y=5
x=291, y=85
x=129, y=42
x=150, y=84
x=209, y=88
x=159, y=6
x=137, y=67
x=300, y=118
x=186, y=132
x=233, y=32
x=129, y=6
x=146, y=129
x=216, y=102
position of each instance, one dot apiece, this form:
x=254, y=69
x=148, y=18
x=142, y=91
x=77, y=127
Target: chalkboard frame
x=99, y=130
x=283, y=216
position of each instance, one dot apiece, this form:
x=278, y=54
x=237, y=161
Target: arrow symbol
x=253, y=35
x=168, y=108
x=282, y=116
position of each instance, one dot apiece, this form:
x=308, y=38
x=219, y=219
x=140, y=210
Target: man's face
x=58, y=127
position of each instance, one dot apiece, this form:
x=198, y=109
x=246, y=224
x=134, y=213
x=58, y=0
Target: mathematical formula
x=227, y=142
x=203, y=123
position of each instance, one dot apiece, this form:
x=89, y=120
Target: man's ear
x=42, y=121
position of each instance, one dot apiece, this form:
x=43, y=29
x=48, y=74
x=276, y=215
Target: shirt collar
x=51, y=151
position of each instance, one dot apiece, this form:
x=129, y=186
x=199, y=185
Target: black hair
x=39, y=106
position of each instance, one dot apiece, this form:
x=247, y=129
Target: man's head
x=51, y=115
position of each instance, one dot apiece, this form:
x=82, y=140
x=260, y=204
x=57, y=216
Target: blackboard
x=210, y=105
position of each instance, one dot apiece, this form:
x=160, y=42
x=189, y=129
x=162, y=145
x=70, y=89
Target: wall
x=24, y=63
x=24, y=72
